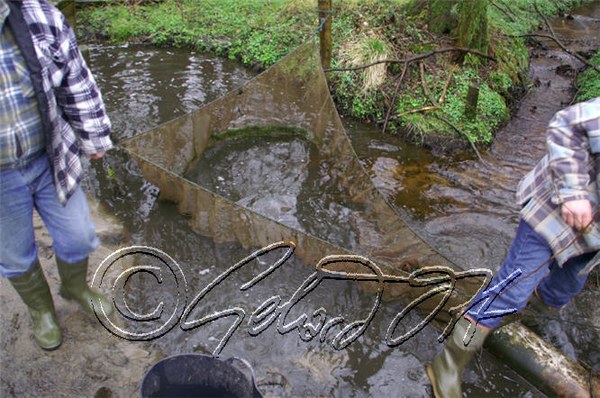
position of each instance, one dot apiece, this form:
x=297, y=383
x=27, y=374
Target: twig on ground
x=424, y=109
x=443, y=96
x=425, y=87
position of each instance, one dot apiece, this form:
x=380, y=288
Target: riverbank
x=420, y=91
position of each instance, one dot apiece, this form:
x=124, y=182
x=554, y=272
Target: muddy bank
x=82, y=366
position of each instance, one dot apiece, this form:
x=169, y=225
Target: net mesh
x=292, y=93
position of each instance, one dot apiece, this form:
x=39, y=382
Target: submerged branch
x=562, y=46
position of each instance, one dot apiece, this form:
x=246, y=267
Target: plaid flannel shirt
x=21, y=132
x=76, y=113
x=570, y=170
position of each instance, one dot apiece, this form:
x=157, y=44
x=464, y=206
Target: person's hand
x=96, y=155
x=577, y=213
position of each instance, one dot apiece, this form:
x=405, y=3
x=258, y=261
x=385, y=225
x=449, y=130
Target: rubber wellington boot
x=74, y=286
x=445, y=371
x=35, y=293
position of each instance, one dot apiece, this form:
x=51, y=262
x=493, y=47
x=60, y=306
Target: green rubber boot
x=446, y=369
x=35, y=293
x=74, y=287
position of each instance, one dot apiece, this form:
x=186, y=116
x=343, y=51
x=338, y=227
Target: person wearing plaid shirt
x=555, y=247
x=51, y=114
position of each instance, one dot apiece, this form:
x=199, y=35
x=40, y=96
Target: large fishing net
x=331, y=208
x=325, y=204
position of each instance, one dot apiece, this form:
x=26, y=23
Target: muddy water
x=463, y=207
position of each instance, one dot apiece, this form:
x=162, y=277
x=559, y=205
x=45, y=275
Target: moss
x=588, y=82
x=440, y=19
x=513, y=59
x=259, y=131
x=472, y=30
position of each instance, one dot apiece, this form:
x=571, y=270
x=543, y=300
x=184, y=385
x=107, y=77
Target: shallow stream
x=462, y=207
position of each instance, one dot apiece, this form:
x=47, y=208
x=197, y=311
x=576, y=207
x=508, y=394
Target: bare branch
x=553, y=37
x=415, y=58
x=459, y=131
x=443, y=96
x=545, y=20
x=425, y=87
x=503, y=11
x=396, y=91
x=424, y=109
x=565, y=49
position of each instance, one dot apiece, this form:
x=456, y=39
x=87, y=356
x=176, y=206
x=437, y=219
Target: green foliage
x=491, y=110
x=110, y=172
x=512, y=59
x=123, y=23
x=589, y=81
x=253, y=32
x=168, y=24
x=500, y=82
x=259, y=33
x=472, y=29
x=440, y=17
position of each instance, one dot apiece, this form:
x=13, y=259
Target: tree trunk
x=440, y=16
x=472, y=31
x=325, y=11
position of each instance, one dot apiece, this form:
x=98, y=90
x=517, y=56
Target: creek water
x=461, y=206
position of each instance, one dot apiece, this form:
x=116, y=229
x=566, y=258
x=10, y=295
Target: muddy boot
x=74, y=287
x=35, y=293
x=446, y=369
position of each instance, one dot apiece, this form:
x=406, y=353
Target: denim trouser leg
x=29, y=187
x=526, y=264
x=564, y=283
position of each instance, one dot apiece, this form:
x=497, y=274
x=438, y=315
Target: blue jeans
x=526, y=268
x=71, y=228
